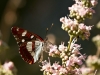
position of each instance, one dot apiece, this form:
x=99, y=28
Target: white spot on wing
x=24, y=33
x=32, y=36
x=29, y=46
x=21, y=55
x=11, y=28
x=17, y=29
x=23, y=40
x=14, y=36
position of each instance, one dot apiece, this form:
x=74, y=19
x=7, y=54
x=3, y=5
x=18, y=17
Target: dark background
x=36, y=16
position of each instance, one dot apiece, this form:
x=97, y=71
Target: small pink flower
x=90, y=10
x=70, y=62
x=63, y=70
x=85, y=30
x=56, y=66
x=68, y=23
x=88, y=28
x=77, y=71
x=82, y=27
x=76, y=50
x=62, y=20
x=79, y=62
x=8, y=65
x=46, y=66
x=94, y=2
x=53, y=50
x=83, y=11
x=82, y=57
x=61, y=47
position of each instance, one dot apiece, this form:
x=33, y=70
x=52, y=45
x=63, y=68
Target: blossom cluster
x=79, y=11
x=54, y=69
x=72, y=59
x=75, y=29
x=8, y=68
x=82, y=9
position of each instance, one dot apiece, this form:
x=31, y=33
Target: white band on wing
x=29, y=46
x=24, y=33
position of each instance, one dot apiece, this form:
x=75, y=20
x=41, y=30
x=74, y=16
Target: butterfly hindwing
x=25, y=54
x=30, y=44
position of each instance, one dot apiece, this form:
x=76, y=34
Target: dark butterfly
x=30, y=44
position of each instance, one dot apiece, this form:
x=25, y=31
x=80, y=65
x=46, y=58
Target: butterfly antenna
x=48, y=29
x=51, y=26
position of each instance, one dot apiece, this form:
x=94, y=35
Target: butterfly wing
x=28, y=48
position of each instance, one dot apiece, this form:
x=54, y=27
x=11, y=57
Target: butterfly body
x=30, y=44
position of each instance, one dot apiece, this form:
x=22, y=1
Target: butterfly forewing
x=26, y=42
x=22, y=35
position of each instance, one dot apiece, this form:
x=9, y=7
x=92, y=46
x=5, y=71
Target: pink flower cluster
x=69, y=58
x=92, y=2
x=82, y=9
x=53, y=51
x=8, y=65
x=79, y=11
x=8, y=68
x=54, y=69
x=73, y=28
x=72, y=59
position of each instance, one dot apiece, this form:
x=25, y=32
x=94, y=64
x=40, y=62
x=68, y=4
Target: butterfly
x=30, y=45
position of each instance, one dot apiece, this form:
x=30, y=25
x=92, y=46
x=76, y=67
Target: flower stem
x=68, y=49
x=70, y=41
